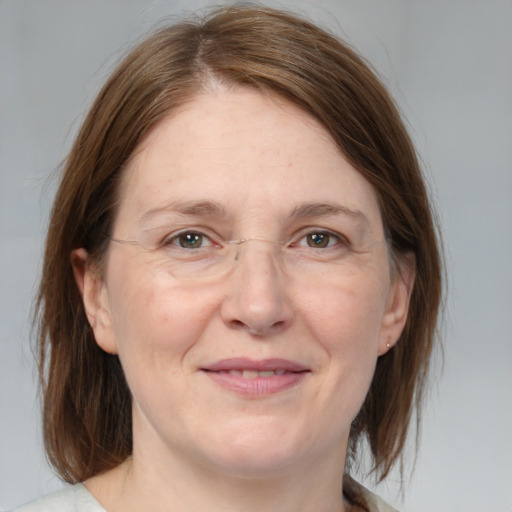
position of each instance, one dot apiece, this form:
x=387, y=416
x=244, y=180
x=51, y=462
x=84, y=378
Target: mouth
x=253, y=374
x=252, y=378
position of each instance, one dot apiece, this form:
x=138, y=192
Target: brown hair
x=87, y=405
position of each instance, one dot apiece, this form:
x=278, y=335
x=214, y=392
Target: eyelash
x=173, y=239
x=334, y=239
x=339, y=239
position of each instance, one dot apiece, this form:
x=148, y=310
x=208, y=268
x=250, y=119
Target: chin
x=265, y=447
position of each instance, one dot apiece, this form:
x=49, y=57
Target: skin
x=198, y=445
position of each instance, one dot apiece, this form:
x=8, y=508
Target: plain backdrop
x=448, y=63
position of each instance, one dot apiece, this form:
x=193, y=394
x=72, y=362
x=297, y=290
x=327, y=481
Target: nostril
x=237, y=324
x=278, y=325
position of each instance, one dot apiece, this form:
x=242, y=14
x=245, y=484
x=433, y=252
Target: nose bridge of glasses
x=239, y=244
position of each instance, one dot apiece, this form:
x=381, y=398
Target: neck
x=135, y=486
x=164, y=477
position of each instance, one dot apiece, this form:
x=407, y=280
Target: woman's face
x=254, y=357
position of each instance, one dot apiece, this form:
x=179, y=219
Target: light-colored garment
x=77, y=498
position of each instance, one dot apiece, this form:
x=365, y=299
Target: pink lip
x=290, y=374
x=242, y=363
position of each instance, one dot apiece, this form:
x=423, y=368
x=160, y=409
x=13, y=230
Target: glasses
x=312, y=255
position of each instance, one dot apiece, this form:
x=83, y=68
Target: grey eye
x=189, y=240
x=318, y=240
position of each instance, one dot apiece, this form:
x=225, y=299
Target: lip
x=243, y=363
x=289, y=374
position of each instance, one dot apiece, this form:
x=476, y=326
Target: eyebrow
x=214, y=209
x=209, y=208
x=313, y=210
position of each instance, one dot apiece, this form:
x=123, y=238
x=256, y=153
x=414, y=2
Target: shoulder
x=362, y=498
x=75, y=498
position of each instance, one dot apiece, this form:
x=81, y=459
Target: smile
x=253, y=374
x=254, y=379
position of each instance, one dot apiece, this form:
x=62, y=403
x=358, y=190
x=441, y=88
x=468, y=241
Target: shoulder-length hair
x=87, y=404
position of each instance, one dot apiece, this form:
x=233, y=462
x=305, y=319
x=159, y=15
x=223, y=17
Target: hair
x=86, y=400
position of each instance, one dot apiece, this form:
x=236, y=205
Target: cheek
x=347, y=315
x=153, y=318
x=346, y=320
x=156, y=327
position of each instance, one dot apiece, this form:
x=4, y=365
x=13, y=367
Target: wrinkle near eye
x=209, y=217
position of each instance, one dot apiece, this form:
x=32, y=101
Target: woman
x=241, y=280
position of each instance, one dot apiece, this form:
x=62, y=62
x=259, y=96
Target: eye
x=320, y=239
x=189, y=240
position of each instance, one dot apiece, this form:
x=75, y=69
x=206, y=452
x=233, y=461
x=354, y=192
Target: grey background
x=449, y=64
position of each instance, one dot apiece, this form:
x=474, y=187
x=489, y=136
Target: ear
x=397, y=306
x=94, y=294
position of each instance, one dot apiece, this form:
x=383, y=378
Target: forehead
x=251, y=153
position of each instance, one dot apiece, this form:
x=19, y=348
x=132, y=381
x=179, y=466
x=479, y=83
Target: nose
x=257, y=298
